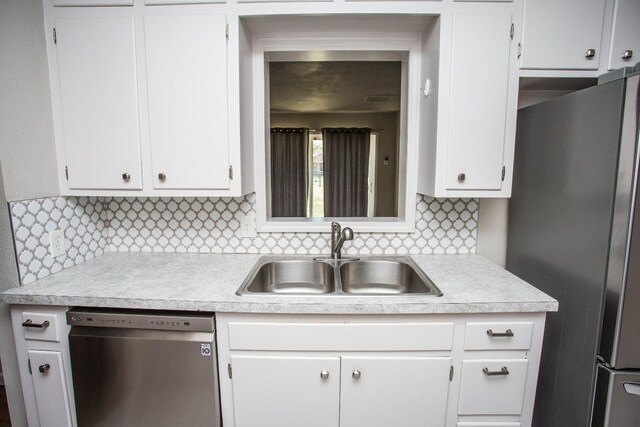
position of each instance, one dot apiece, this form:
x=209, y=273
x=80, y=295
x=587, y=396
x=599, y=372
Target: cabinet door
x=187, y=82
x=625, y=39
x=286, y=391
x=478, y=107
x=394, y=391
x=557, y=34
x=50, y=388
x=99, y=102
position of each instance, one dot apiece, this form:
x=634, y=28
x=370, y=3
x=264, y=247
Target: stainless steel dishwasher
x=144, y=368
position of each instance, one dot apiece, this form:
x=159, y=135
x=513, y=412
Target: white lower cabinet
x=348, y=391
x=50, y=387
x=492, y=387
x=286, y=391
x=321, y=371
x=42, y=348
x=393, y=391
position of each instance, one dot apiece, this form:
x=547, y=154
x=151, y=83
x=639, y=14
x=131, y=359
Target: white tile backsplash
x=81, y=218
x=211, y=225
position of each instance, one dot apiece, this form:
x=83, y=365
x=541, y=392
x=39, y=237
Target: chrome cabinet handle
x=590, y=53
x=126, y=177
x=627, y=54
x=502, y=371
x=29, y=324
x=44, y=368
x=632, y=388
x=356, y=374
x=461, y=177
x=507, y=333
x=324, y=375
x=162, y=176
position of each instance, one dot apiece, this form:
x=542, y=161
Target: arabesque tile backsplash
x=210, y=225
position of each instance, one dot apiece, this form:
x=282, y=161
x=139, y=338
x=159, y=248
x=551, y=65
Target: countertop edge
x=286, y=308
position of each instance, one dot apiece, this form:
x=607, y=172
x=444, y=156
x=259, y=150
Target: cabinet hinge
x=55, y=37
x=512, y=30
x=226, y=30
x=504, y=171
x=230, y=172
x=451, y=373
x=229, y=370
x=29, y=365
x=66, y=172
x=519, y=50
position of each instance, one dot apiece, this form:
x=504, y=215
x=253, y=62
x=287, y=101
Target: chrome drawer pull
x=44, y=368
x=29, y=324
x=324, y=374
x=507, y=333
x=502, y=371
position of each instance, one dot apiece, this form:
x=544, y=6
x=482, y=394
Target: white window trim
x=408, y=158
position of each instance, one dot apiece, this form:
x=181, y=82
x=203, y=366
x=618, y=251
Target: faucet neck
x=335, y=240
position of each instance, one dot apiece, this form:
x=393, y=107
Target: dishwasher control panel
x=139, y=319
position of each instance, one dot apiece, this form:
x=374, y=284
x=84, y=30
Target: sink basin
x=384, y=277
x=290, y=277
x=381, y=276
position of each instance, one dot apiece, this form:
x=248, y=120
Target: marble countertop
x=208, y=282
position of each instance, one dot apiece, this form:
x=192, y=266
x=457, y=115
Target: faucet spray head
x=347, y=233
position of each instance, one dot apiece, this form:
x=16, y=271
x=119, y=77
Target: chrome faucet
x=338, y=237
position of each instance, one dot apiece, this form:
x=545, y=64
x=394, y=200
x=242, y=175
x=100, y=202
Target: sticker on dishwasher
x=205, y=349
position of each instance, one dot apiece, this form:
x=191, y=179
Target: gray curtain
x=346, y=171
x=289, y=171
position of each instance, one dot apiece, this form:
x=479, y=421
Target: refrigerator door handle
x=632, y=388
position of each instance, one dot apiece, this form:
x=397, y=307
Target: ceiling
x=335, y=86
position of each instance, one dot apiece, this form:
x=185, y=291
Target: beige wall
x=27, y=151
x=386, y=182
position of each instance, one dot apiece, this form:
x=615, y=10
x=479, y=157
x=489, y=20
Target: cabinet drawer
x=492, y=387
x=40, y=326
x=93, y=2
x=487, y=424
x=498, y=336
x=338, y=336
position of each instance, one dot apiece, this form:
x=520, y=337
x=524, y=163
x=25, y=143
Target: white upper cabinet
x=186, y=60
x=478, y=102
x=99, y=102
x=625, y=38
x=562, y=35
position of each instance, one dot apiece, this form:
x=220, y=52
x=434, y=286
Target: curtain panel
x=289, y=171
x=346, y=170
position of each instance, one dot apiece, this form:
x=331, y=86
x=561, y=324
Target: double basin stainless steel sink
x=384, y=276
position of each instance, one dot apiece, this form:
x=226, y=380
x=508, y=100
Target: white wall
x=27, y=151
x=8, y=280
x=492, y=230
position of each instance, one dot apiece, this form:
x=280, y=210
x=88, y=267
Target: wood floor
x=5, y=421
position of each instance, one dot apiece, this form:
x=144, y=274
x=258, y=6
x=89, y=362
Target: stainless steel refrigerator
x=574, y=232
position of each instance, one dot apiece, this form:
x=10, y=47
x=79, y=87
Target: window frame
x=374, y=46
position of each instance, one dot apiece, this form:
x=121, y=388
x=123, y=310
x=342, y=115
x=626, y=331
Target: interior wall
x=27, y=150
x=386, y=190
x=492, y=230
x=8, y=280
